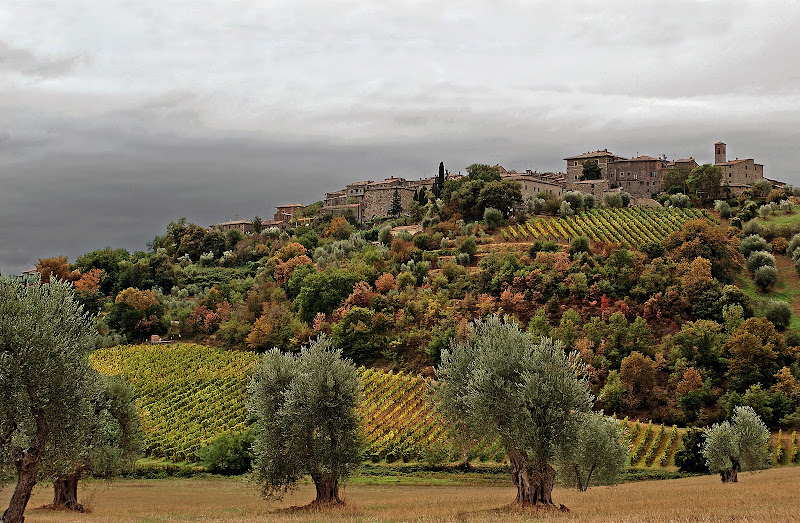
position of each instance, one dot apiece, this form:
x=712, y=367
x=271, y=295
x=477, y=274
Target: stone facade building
x=575, y=165
x=287, y=212
x=243, y=226
x=737, y=172
x=641, y=177
x=532, y=183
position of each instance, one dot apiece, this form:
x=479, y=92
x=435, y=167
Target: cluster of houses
x=640, y=176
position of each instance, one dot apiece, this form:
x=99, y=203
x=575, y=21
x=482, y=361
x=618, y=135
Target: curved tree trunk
x=534, y=480
x=327, y=486
x=26, y=462
x=65, y=492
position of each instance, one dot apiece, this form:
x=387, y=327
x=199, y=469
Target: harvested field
x=770, y=495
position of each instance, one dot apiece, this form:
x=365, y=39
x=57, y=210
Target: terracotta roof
x=290, y=205
x=592, y=181
x=594, y=154
x=734, y=162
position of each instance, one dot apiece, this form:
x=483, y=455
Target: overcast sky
x=118, y=117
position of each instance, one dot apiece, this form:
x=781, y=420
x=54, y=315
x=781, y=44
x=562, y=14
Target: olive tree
x=110, y=442
x=45, y=396
x=739, y=444
x=531, y=395
x=305, y=407
x=596, y=450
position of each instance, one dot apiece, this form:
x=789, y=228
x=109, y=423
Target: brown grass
x=770, y=495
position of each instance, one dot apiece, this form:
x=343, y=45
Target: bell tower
x=720, y=156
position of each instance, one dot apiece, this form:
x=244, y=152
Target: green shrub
x=385, y=235
x=753, y=243
x=653, y=250
x=778, y=312
x=421, y=241
x=492, y=217
x=794, y=243
x=229, y=455
x=579, y=244
x=759, y=259
x=468, y=246
x=765, y=277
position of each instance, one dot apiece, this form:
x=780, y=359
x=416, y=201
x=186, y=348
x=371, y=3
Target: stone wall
x=377, y=202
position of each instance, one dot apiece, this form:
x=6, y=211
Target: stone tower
x=719, y=153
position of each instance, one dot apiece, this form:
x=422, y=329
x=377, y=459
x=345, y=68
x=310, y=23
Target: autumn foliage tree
x=700, y=239
x=57, y=267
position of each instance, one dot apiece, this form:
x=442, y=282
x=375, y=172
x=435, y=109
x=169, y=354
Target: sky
x=118, y=117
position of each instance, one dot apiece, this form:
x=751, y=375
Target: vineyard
x=633, y=226
x=189, y=394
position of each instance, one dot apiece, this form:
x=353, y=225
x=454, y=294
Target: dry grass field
x=771, y=495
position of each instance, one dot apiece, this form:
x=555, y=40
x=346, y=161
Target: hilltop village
x=642, y=177
x=673, y=289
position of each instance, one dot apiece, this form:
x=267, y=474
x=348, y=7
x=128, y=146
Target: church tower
x=719, y=153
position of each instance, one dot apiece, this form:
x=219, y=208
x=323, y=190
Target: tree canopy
x=597, y=450
x=530, y=395
x=305, y=407
x=591, y=171
x=45, y=393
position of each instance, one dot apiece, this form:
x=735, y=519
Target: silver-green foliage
x=45, y=396
x=597, y=451
x=739, y=444
x=45, y=340
x=305, y=407
x=530, y=395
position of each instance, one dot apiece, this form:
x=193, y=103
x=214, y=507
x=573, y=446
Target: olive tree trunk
x=731, y=475
x=65, y=492
x=534, y=480
x=327, y=486
x=26, y=462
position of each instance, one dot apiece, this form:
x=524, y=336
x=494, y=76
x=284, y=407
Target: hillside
x=661, y=302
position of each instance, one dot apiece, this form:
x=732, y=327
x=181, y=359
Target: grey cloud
x=22, y=61
x=212, y=111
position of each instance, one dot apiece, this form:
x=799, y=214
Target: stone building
x=594, y=187
x=373, y=198
x=532, y=183
x=575, y=165
x=641, y=176
x=736, y=172
x=287, y=212
x=243, y=226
